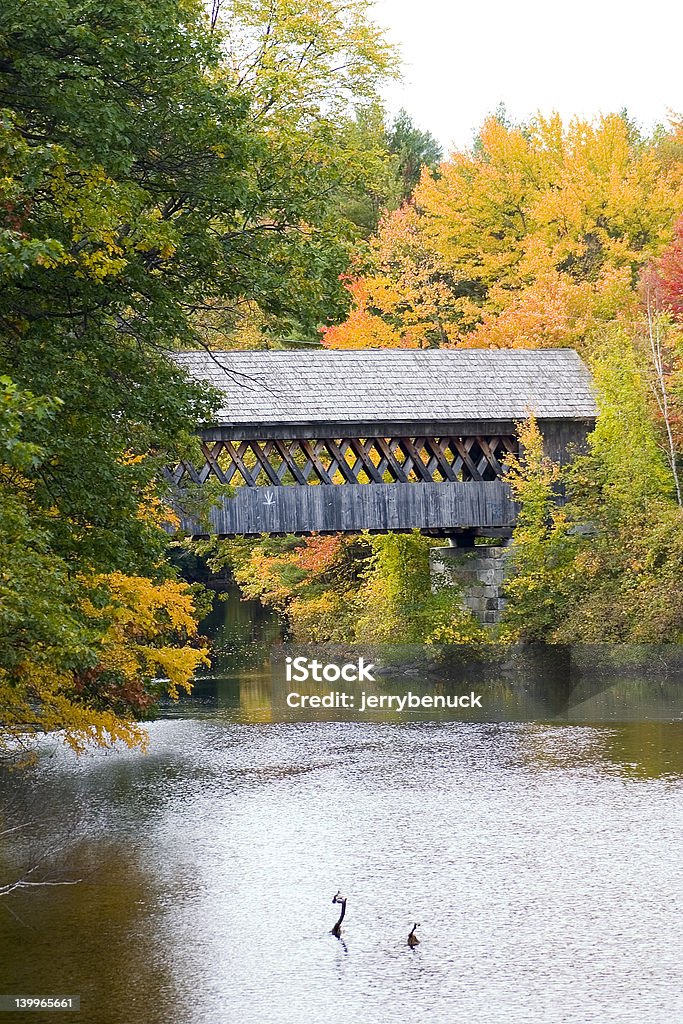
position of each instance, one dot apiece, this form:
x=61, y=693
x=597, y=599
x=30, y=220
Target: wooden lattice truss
x=349, y=460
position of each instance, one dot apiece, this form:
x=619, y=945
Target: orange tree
x=531, y=238
x=354, y=589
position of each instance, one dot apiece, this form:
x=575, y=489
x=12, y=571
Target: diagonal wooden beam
x=192, y=472
x=356, y=466
x=511, y=444
x=381, y=465
x=462, y=446
x=341, y=463
x=211, y=466
x=362, y=450
x=488, y=448
x=457, y=463
x=419, y=467
x=264, y=462
x=286, y=453
x=237, y=456
x=275, y=459
x=393, y=465
x=439, y=447
x=403, y=459
x=309, y=450
x=175, y=475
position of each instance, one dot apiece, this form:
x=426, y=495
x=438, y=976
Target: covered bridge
x=381, y=440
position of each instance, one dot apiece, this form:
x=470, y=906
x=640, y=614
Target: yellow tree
x=143, y=642
x=532, y=237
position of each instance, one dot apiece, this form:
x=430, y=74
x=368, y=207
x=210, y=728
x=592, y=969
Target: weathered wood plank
x=571, y=429
x=435, y=506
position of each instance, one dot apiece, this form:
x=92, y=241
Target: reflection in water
x=547, y=878
x=646, y=750
x=242, y=633
x=542, y=860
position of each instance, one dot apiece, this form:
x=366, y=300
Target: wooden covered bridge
x=380, y=440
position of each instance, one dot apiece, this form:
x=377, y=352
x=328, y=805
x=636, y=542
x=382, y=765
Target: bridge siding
x=313, y=509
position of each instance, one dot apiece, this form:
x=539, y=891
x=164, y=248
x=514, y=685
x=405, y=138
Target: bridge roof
x=395, y=385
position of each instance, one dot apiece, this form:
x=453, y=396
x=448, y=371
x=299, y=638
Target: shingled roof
x=395, y=385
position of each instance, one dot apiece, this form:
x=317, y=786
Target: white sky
x=580, y=57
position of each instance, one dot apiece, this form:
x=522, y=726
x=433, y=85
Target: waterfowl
x=338, y=898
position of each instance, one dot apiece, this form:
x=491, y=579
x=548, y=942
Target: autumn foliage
x=533, y=238
x=669, y=273
x=136, y=640
x=541, y=236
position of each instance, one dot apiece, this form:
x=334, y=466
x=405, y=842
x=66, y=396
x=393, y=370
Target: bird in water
x=338, y=898
x=412, y=937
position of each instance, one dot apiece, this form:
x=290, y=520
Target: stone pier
x=479, y=572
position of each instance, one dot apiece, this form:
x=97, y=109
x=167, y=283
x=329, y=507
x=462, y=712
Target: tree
x=606, y=567
x=311, y=583
x=312, y=71
x=541, y=568
x=408, y=301
x=415, y=149
x=145, y=183
x=536, y=236
x=396, y=603
x=668, y=273
x=308, y=66
x=81, y=653
x=112, y=144
x=664, y=348
x=348, y=589
x=112, y=176
x=662, y=294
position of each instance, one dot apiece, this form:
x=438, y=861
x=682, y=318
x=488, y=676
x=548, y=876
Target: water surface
x=543, y=862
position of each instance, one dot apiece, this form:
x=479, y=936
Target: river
x=542, y=860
